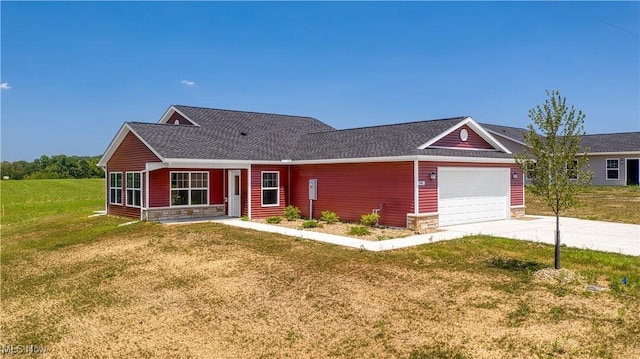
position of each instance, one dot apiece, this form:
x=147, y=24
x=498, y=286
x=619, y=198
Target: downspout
x=145, y=205
x=416, y=197
x=106, y=190
x=288, y=184
x=248, y=192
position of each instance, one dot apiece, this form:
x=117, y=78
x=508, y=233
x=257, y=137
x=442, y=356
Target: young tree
x=551, y=160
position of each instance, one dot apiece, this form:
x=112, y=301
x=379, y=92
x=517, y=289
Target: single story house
x=613, y=157
x=202, y=162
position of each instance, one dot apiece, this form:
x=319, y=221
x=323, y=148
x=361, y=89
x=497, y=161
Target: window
x=573, y=169
x=189, y=188
x=134, y=189
x=270, y=188
x=529, y=169
x=115, y=187
x=613, y=169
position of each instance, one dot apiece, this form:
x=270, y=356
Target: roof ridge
x=612, y=133
x=392, y=124
x=256, y=112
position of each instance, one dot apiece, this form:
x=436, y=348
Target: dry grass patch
x=208, y=290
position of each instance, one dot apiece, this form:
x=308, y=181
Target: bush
x=359, y=231
x=329, y=217
x=312, y=223
x=291, y=213
x=274, y=219
x=369, y=219
x=244, y=218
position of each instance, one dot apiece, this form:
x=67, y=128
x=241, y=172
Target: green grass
x=599, y=203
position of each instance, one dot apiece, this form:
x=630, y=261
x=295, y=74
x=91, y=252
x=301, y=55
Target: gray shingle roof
x=220, y=135
x=598, y=143
x=515, y=133
x=381, y=141
x=612, y=142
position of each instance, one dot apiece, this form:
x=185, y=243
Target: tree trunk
x=556, y=262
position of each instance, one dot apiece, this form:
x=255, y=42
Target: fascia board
x=117, y=140
x=476, y=127
x=170, y=111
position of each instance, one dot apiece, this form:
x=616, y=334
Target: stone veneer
x=517, y=211
x=422, y=222
x=163, y=214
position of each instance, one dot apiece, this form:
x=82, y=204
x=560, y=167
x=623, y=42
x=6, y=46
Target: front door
x=633, y=172
x=234, y=194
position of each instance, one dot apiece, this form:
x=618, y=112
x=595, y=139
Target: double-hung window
x=613, y=168
x=572, y=168
x=189, y=188
x=134, y=189
x=115, y=187
x=270, y=188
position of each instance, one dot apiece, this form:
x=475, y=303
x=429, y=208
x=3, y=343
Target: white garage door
x=467, y=195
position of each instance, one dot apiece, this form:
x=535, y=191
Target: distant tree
x=58, y=166
x=551, y=160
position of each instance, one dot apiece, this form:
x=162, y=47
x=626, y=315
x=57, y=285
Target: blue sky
x=73, y=72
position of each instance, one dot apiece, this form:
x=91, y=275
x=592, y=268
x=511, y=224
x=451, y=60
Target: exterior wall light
x=432, y=175
x=514, y=175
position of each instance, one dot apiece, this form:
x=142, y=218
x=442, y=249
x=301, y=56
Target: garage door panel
x=467, y=195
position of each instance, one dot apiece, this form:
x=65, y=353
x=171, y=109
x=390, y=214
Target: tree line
x=58, y=166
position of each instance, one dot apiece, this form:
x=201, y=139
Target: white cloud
x=5, y=86
x=188, y=83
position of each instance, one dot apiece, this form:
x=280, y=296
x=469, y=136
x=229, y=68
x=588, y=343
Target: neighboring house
x=613, y=157
x=200, y=162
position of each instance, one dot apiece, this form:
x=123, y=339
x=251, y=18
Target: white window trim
x=607, y=169
x=189, y=189
x=127, y=189
x=262, y=188
x=111, y=187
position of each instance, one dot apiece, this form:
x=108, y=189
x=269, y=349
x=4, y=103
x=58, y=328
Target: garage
x=468, y=195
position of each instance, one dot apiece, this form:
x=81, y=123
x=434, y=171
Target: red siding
x=428, y=193
x=160, y=183
x=181, y=120
x=244, y=198
x=517, y=187
x=354, y=189
x=453, y=140
x=130, y=156
x=257, y=211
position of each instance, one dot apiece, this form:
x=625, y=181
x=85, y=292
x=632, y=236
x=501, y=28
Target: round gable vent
x=464, y=135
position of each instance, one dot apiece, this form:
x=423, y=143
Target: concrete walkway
x=578, y=233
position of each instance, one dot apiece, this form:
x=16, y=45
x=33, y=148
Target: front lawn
x=87, y=287
x=600, y=203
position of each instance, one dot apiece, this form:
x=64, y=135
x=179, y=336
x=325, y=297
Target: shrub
x=312, y=223
x=274, y=219
x=244, y=218
x=329, y=217
x=291, y=213
x=359, y=231
x=369, y=219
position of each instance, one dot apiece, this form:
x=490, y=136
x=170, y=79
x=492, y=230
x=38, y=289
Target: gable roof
x=404, y=139
x=227, y=134
x=216, y=134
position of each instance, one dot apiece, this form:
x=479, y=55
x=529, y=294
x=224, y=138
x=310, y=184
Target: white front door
x=467, y=195
x=234, y=194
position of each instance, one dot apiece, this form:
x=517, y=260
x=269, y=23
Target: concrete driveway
x=579, y=233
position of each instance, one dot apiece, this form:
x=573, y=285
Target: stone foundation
x=517, y=212
x=163, y=214
x=422, y=222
